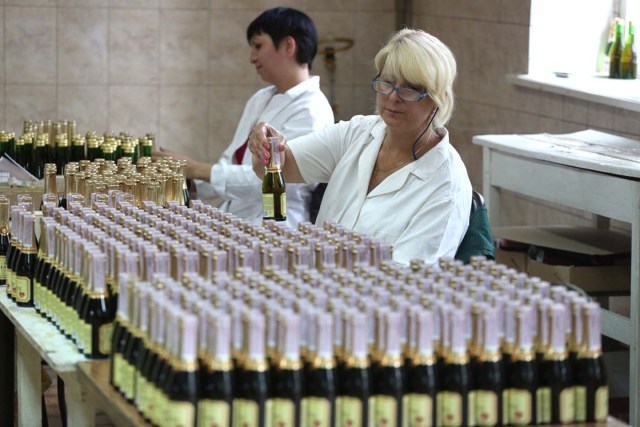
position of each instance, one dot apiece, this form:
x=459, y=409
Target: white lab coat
x=299, y=111
x=422, y=208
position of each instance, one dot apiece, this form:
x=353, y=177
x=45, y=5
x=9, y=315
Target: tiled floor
x=53, y=409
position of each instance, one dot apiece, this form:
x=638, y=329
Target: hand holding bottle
x=260, y=144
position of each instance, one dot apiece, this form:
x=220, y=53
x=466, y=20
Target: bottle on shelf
x=592, y=390
x=5, y=238
x=488, y=375
x=629, y=58
x=615, y=53
x=274, y=196
x=96, y=312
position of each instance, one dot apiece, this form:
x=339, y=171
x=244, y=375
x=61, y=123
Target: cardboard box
x=512, y=259
x=603, y=280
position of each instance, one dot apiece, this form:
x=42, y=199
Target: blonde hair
x=424, y=61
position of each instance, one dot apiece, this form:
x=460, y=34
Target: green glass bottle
x=252, y=374
x=592, y=390
x=488, y=373
x=5, y=240
x=93, y=147
x=4, y=143
x=629, y=59
x=40, y=155
x=274, y=195
x=615, y=53
x=78, y=148
x=26, y=262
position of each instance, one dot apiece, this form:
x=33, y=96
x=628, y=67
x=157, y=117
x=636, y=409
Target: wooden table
x=591, y=171
x=36, y=339
x=94, y=379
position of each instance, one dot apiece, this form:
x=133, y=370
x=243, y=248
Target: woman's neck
x=292, y=79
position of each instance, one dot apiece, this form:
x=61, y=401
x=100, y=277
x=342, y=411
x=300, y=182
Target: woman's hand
x=194, y=169
x=260, y=145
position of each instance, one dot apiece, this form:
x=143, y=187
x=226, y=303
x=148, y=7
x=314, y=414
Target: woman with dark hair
x=283, y=43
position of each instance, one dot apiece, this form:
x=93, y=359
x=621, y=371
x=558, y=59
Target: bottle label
x=581, y=404
x=486, y=408
x=385, y=411
x=86, y=337
x=283, y=204
x=268, y=206
x=105, y=334
x=140, y=391
x=602, y=403
x=246, y=413
x=316, y=412
x=449, y=411
x=543, y=408
x=471, y=404
x=3, y=267
x=567, y=405
x=418, y=410
x=283, y=412
x=151, y=400
x=179, y=414
x=519, y=404
x=213, y=413
x=127, y=377
x=23, y=287
x=350, y=412
x=117, y=364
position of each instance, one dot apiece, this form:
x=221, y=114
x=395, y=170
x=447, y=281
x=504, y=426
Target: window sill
x=623, y=94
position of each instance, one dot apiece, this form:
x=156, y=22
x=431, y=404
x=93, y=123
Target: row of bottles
x=218, y=319
x=621, y=51
x=59, y=143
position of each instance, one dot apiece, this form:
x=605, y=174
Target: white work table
x=591, y=171
x=35, y=339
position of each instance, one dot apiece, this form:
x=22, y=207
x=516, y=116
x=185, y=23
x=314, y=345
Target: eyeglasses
x=405, y=93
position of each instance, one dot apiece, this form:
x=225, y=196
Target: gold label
x=385, y=411
x=117, y=364
x=105, y=334
x=213, y=413
x=3, y=267
x=567, y=405
x=127, y=379
x=9, y=274
x=268, y=206
x=23, y=288
x=151, y=400
x=581, y=404
x=179, y=414
x=602, y=403
x=283, y=412
x=350, y=412
x=543, y=408
x=283, y=203
x=85, y=329
x=519, y=407
x=418, y=410
x=246, y=413
x=449, y=411
x=316, y=412
x=471, y=404
x=486, y=408
x=138, y=400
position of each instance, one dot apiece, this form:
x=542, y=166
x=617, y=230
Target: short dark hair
x=281, y=22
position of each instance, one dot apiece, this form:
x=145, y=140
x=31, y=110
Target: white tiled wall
x=179, y=68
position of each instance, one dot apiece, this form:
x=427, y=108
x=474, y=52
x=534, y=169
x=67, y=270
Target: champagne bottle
x=555, y=395
x=615, y=54
x=274, y=196
x=488, y=379
x=40, y=155
x=5, y=240
x=286, y=373
x=389, y=380
x=319, y=402
x=13, y=252
x=592, y=390
x=62, y=153
x=422, y=379
x=47, y=244
x=26, y=262
x=181, y=385
x=97, y=312
x=454, y=397
x=214, y=403
x=522, y=374
x=354, y=381
x=629, y=59
x=252, y=375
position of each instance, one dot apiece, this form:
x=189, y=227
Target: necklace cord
x=413, y=148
